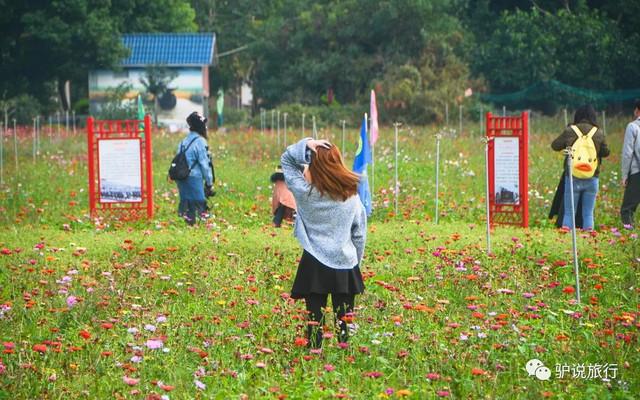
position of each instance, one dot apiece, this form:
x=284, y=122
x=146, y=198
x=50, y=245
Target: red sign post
x=508, y=169
x=120, y=168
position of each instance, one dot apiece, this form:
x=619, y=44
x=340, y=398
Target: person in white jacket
x=631, y=169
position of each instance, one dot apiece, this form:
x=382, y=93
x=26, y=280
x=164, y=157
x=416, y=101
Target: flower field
x=153, y=309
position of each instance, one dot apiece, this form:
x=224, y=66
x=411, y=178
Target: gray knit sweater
x=334, y=232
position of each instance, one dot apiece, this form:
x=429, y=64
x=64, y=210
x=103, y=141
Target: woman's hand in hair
x=314, y=144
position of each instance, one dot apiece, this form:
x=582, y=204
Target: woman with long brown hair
x=331, y=226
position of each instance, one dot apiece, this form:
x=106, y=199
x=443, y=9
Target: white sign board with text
x=120, y=170
x=507, y=170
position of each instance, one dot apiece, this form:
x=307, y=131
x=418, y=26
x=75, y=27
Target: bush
x=115, y=107
x=235, y=117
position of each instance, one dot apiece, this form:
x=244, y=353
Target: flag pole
x=373, y=164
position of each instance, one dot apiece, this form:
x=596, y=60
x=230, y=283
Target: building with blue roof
x=188, y=55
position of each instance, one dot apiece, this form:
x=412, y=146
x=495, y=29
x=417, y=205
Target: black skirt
x=315, y=277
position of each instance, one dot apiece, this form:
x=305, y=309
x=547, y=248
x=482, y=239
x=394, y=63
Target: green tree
x=47, y=43
x=156, y=82
x=584, y=49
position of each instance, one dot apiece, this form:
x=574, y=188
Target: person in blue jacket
x=193, y=194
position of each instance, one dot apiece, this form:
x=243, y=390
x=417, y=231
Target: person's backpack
x=180, y=168
x=584, y=153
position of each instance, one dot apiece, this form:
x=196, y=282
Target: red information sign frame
x=98, y=130
x=509, y=127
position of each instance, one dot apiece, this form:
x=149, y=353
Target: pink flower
x=329, y=367
x=443, y=393
x=154, y=344
x=200, y=385
x=72, y=301
x=130, y=381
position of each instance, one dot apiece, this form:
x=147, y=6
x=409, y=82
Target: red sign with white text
x=120, y=168
x=508, y=169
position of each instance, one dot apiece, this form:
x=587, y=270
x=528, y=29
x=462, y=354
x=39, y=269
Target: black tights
x=342, y=305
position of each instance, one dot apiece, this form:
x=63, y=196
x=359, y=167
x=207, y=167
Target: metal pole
x=315, y=132
x=15, y=144
x=504, y=111
x=566, y=118
x=38, y=129
x=2, y=153
x=343, y=122
x=303, y=115
x=604, y=122
x=74, y=121
x=58, y=118
x=396, y=186
x=34, y=140
x=273, y=117
x=576, y=266
x=486, y=168
x=481, y=119
x=438, y=136
x=66, y=116
x=460, y=117
x=446, y=113
x=50, y=128
x=285, y=129
x=278, y=128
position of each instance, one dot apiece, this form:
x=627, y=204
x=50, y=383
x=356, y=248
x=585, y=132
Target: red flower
x=84, y=334
x=40, y=348
x=568, y=290
x=107, y=325
x=166, y=388
x=478, y=371
x=300, y=342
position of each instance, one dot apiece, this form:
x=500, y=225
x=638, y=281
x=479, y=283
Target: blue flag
x=363, y=157
x=363, y=154
x=364, y=193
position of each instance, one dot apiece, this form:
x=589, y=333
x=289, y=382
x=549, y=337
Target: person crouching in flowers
x=283, y=205
x=331, y=225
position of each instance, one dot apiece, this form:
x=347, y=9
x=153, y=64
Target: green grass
x=435, y=302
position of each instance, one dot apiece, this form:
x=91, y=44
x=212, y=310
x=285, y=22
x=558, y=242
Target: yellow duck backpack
x=585, y=156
